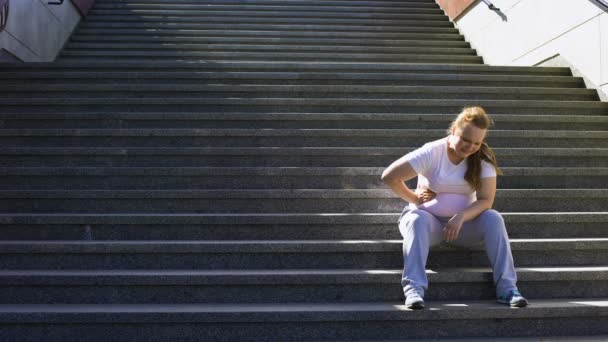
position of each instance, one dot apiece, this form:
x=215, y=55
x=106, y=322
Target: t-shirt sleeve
x=487, y=170
x=421, y=159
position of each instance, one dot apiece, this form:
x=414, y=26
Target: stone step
x=292, y=120
x=287, y=37
x=294, y=79
x=303, y=8
x=16, y=178
x=275, y=24
x=286, y=138
x=302, y=68
x=163, y=49
x=308, y=3
x=276, y=254
x=299, y=322
x=258, y=31
x=74, y=89
x=117, y=55
x=308, y=12
x=271, y=226
x=386, y=43
x=302, y=104
x=287, y=26
x=280, y=286
x=571, y=338
x=162, y=21
x=274, y=156
x=275, y=200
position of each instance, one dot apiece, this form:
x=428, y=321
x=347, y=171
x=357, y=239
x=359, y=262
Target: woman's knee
x=492, y=216
x=492, y=221
x=416, y=219
x=418, y=215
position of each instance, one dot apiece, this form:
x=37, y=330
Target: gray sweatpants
x=422, y=230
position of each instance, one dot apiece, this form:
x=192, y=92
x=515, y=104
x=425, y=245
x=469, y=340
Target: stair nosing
x=302, y=312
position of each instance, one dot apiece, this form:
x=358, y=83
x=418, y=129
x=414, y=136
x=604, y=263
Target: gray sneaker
x=514, y=299
x=413, y=300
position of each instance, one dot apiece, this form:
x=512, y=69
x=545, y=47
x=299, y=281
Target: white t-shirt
x=437, y=173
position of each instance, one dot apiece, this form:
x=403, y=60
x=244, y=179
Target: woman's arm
x=395, y=176
x=485, y=200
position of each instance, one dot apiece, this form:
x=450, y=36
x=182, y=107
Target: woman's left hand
x=425, y=196
x=452, y=228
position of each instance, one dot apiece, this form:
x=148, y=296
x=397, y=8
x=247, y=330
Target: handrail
x=603, y=3
x=491, y=5
x=60, y=2
x=3, y=14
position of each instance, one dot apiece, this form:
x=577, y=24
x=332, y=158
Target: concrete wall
x=36, y=31
x=542, y=32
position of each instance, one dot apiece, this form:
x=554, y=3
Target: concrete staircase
x=209, y=171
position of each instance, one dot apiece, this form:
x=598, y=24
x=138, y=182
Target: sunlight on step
x=382, y=272
x=562, y=269
x=455, y=305
x=435, y=308
x=353, y=214
x=369, y=241
x=600, y=303
x=561, y=240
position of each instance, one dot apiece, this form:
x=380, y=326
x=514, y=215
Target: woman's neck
x=452, y=156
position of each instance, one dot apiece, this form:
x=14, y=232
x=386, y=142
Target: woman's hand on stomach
x=425, y=196
x=446, y=204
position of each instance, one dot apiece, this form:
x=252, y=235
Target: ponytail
x=473, y=174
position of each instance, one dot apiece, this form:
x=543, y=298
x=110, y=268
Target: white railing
x=491, y=5
x=603, y=3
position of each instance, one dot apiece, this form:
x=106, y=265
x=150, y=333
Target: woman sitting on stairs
x=453, y=204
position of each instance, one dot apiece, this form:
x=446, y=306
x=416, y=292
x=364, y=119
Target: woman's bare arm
x=395, y=176
x=485, y=199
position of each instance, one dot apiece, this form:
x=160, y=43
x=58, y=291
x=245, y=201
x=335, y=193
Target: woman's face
x=466, y=140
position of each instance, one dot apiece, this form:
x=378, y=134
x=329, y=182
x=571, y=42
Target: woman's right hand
x=425, y=196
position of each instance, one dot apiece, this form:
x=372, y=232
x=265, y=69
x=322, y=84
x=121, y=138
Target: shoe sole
x=520, y=304
x=416, y=306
